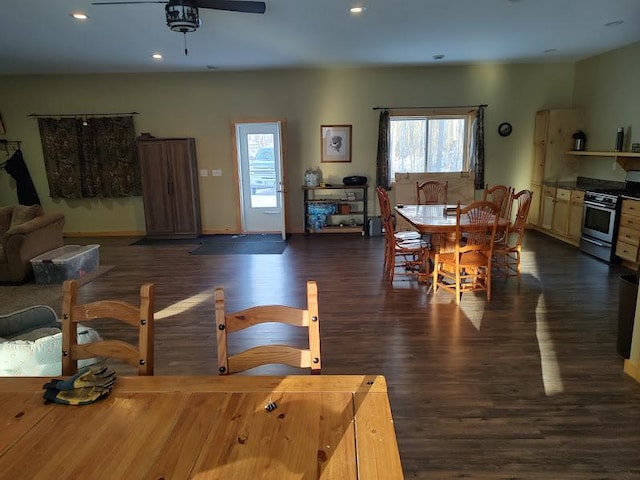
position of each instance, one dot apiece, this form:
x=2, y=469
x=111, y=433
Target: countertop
x=585, y=183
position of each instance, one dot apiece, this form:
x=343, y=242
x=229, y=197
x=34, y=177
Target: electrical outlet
x=216, y=172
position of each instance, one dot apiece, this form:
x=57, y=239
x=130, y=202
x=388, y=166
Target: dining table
x=435, y=218
x=203, y=427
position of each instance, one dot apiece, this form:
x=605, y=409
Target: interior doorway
x=260, y=172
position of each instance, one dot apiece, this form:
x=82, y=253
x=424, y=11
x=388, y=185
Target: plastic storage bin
x=65, y=263
x=318, y=212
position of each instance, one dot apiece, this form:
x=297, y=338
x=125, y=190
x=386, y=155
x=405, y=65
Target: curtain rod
x=416, y=108
x=38, y=115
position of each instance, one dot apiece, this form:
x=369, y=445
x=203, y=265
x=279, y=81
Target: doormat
x=169, y=241
x=241, y=244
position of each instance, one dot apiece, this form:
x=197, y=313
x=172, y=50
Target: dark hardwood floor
x=527, y=387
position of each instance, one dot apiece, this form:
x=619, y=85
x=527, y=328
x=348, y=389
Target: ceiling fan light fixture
x=182, y=18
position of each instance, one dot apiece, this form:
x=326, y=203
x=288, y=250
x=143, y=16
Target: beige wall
x=608, y=88
x=203, y=105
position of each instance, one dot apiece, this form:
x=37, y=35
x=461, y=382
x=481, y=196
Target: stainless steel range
x=600, y=217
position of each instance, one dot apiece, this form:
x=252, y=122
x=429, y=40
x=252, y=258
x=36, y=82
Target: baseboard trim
x=136, y=233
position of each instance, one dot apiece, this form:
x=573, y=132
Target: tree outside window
x=435, y=144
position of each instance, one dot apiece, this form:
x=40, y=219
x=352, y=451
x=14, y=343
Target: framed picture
x=335, y=142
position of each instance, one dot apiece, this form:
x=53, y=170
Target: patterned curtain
x=477, y=150
x=92, y=158
x=382, y=162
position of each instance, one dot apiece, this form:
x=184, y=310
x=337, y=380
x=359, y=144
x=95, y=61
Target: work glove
x=76, y=396
x=86, y=377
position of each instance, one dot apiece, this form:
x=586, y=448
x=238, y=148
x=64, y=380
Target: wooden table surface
x=431, y=218
x=324, y=426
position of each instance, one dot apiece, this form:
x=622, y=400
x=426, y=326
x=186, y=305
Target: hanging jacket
x=16, y=167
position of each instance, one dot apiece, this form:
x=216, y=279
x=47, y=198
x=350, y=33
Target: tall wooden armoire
x=168, y=170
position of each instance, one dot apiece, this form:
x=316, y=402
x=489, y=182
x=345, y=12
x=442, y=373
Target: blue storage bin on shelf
x=318, y=212
x=322, y=208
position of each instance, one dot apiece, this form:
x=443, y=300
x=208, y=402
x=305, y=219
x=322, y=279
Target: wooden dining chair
x=404, y=252
x=307, y=318
x=432, y=192
x=507, y=251
x=468, y=267
x=500, y=195
x=141, y=317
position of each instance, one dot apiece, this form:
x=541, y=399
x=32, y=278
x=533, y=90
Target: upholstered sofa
x=31, y=343
x=26, y=232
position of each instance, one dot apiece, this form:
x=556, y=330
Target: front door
x=260, y=173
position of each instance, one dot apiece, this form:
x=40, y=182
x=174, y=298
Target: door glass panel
x=262, y=169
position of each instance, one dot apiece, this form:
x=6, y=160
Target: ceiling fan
x=183, y=16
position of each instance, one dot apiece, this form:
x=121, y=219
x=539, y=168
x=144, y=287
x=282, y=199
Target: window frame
x=469, y=115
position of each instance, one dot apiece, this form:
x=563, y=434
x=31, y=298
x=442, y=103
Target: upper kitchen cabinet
x=168, y=171
x=552, y=139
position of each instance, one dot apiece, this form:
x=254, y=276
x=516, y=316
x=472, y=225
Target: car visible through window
x=262, y=170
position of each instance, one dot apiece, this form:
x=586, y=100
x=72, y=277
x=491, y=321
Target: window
x=429, y=143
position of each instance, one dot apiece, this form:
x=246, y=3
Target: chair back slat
x=432, y=192
x=140, y=355
x=228, y=323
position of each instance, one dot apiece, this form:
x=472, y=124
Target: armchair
x=26, y=232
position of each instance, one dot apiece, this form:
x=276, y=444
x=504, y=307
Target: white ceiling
x=40, y=36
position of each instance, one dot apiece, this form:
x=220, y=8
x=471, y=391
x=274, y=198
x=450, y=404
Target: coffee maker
x=579, y=140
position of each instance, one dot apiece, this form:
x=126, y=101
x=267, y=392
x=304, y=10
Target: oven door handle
x=599, y=206
x=599, y=244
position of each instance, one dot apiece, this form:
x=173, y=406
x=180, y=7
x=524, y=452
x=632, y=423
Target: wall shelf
x=627, y=160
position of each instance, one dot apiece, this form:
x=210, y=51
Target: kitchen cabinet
x=629, y=232
x=561, y=209
x=335, y=209
x=561, y=215
x=534, y=218
x=575, y=215
x=168, y=171
x=552, y=138
x=548, y=203
x=553, y=132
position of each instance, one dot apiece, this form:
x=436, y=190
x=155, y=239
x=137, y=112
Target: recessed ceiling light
x=157, y=56
x=79, y=16
x=357, y=9
x=615, y=23
x=438, y=57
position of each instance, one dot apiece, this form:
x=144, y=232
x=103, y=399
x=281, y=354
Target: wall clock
x=504, y=129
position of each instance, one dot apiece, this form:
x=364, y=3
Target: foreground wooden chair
x=468, y=267
x=432, y=192
x=507, y=252
x=140, y=356
x=403, y=251
x=269, y=354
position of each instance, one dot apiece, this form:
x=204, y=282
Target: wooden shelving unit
x=627, y=160
x=337, y=222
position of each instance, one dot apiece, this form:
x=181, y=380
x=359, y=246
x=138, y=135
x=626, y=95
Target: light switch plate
x=216, y=172
x=204, y=172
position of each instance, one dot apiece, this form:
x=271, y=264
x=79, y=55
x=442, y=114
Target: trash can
x=626, y=312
